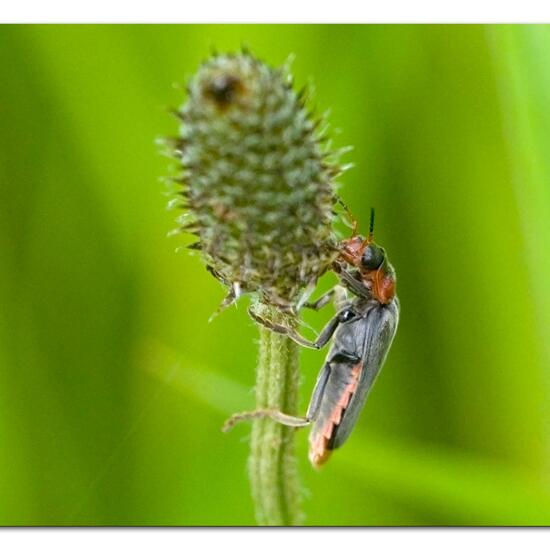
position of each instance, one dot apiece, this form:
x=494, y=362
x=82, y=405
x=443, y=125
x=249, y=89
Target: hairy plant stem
x=273, y=471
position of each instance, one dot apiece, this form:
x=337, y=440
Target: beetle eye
x=347, y=315
x=373, y=257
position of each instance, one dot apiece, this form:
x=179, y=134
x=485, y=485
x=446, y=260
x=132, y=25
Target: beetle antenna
x=350, y=216
x=371, y=225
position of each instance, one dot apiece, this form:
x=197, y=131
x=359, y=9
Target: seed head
x=257, y=180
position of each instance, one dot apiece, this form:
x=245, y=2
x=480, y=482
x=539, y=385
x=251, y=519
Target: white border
x=279, y=11
x=255, y=539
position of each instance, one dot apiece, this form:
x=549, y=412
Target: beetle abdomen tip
x=318, y=456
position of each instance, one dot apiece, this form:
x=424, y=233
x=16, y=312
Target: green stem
x=273, y=471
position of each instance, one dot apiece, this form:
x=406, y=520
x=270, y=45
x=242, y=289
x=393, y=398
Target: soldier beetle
x=361, y=334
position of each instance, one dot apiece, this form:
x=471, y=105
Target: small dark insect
x=361, y=333
x=223, y=89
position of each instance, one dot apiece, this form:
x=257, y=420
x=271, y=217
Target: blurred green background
x=113, y=385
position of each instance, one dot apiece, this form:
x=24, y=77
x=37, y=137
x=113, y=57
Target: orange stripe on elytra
x=319, y=451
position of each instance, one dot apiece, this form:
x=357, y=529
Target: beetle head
x=373, y=257
x=372, y=262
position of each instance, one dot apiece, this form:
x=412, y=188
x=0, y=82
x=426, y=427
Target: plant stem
x=273, y=471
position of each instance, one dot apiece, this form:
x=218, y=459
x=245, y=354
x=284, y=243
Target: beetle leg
x=336, y=294
x=322, y=301
x=340, y=297
x=277, y=416
x=322, y=340
x=353, y=284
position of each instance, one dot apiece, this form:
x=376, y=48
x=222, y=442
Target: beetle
x=361, y=333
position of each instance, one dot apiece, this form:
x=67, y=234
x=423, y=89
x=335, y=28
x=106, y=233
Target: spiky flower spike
x=257, y=180
x=258, y=185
